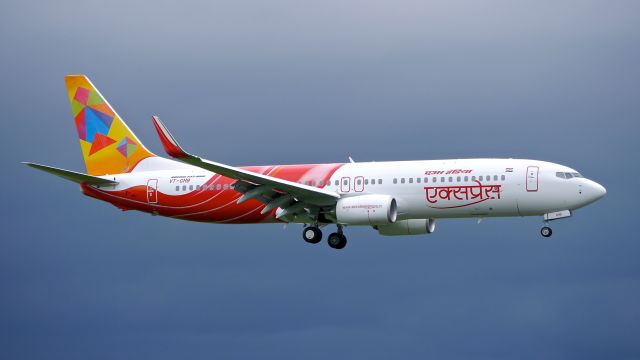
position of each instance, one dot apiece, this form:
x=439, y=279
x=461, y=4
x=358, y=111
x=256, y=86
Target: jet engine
x=408, y=227
x=367, y=210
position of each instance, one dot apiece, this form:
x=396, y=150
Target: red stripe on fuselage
x=213, y=205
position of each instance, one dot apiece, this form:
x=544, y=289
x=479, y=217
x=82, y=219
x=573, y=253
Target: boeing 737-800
x=394, y=198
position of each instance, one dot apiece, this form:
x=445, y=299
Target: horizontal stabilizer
x=72, y=175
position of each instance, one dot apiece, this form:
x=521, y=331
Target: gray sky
x=250, y=82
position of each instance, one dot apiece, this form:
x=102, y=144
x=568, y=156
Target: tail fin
x=108, y=145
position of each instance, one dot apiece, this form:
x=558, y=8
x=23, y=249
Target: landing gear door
x=532, y=178
x=152, y=191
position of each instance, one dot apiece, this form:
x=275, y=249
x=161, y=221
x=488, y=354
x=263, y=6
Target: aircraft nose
x=595, y=191
x=600, y=190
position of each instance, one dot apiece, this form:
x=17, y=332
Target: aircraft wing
x=72, y=175
x=274, y=192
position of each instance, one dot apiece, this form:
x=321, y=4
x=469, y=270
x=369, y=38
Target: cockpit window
x=567, y=175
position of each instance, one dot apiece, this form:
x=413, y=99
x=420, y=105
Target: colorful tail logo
x=108, y=146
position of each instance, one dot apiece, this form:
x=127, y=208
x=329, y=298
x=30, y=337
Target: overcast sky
x=273, y=82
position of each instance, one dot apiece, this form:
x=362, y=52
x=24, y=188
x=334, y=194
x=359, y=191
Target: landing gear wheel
x=312, y=234
x=546, y=231
x=337, y=240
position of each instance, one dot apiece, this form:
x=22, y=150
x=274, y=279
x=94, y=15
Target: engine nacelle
x=367, y=210
x=408, y=227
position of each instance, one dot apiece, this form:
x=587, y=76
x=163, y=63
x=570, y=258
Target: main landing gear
x=313, y=235
x=337, y=240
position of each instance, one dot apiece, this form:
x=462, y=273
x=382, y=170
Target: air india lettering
x=468, y=194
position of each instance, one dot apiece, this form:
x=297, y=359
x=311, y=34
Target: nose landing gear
x=546, y=231
x=552, y=216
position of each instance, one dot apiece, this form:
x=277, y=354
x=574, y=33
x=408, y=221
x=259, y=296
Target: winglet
x=169, y=143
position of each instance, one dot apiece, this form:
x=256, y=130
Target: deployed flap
x=305, y=193
x=72, y=175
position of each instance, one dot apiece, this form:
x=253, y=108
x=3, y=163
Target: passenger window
x=495, y=177
x=379, y=181
x=402, y=180
x=359, y=181
x=418, y=180
x=473, y=178
x=320, y=183
x=426, y=179
x=435, y=179
x=178, y=188
x=337, y=182
x=211, y=187
x=503, y=177
x=218, y=187
x=226, y=186
x=480, y=178
x=197, y=187
x=345, y=182
x=190, y=187
x=395, y=181
x=450, y=178
x=410, y=180
x=184, y=187
x=442, y=179
x=466, y=178
x=458, y=179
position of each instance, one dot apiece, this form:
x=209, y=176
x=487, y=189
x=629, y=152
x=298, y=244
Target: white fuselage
x=427, y=189
x=520, y=194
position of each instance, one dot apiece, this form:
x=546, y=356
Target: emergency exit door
x=532, y=178
x=152, y=191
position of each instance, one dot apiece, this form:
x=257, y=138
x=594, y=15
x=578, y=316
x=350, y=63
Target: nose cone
x=599, y=190
x=594, y=191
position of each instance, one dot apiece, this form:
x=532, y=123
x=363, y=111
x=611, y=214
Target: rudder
x=108, y=145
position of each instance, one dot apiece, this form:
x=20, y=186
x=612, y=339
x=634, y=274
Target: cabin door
x=152, y=191
x=532, y=178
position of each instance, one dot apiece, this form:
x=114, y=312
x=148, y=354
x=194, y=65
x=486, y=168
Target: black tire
x=312, y=235
x=337, y=241
x=546, y=231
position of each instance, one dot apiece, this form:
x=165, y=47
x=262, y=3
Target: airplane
x=393, y=197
